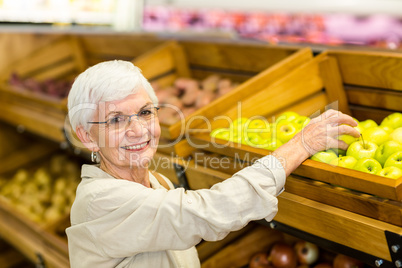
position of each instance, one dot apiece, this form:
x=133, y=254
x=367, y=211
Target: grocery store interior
x=235, y=81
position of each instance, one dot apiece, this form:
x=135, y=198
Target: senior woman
x=126, y=216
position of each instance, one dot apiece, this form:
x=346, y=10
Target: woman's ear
x=86, y=139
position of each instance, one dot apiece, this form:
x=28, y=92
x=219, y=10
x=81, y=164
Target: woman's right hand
x=320, y=134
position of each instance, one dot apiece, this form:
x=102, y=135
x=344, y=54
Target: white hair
x=105, y=81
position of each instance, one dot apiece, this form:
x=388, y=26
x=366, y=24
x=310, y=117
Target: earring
x=94, y=157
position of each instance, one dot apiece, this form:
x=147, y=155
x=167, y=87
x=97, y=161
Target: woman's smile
x=137, y=147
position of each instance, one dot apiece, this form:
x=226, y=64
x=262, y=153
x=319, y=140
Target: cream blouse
x=119, y=223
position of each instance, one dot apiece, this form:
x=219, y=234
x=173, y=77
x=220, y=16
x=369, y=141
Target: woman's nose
x=135, y=127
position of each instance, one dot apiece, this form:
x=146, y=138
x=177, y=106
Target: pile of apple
x=378, y=151
x=259, y=132
x=44, y=194
x=50, y=87
x=300, y=254
x=187, y=95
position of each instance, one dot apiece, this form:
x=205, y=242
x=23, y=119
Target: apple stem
x=364, y=143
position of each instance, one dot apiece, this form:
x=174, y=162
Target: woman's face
x=131, y=144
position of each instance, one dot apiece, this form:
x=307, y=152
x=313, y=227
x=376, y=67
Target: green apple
x=324, y=156
x=348, y=139
x=346, y=161
x=369, y=123
x=287, y=116
x=253, y=139
x=338, y=151
x=375, y=134
x=390, y=172
x=361, y=149
x=393, y=120
x=359, y=128
x=387, y=129
x=221, y=133
x=257, y=123
x=396, y=135
x=395, y=160
x=385, y=150
x=271, y=144
x=266, y=133
x=368, y=165
x=286, y=131
x=301, y=121
x=238, y=125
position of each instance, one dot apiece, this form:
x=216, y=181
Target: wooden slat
x=239, y=253
x=39, y=123
x=232, y=56
x=17, y=45
x=360, y=181
x=298, y=84
x=313, y=104
x=376, y=98
x=333, y=84
x=103, y=47
x=371, y=69
x=23, y=157
x=158, y=61
x=78, y=54
x=57, y=71
x=381, y=209
x=27, y=238
x=334, y=224
x=32, y=64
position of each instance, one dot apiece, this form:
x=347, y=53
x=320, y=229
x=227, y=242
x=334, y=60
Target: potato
x=204, y=98
x=190, y=95
x=210, y=83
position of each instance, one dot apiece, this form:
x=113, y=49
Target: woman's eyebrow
x=119, y=112
x=113, y=113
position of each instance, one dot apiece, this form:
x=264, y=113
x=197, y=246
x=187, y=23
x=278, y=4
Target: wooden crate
x=252, y=66
x=239, y=252
x=62, y=59
x=39, y=113
x=103, y=47
x=28, y=236
x=205, y=170
x=372, y=82
x=323, y=210
x=310, y=88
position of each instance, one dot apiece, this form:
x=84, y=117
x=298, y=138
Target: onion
x=342, y=261
x=259, y=260
x=283, y=255
x=307, y=253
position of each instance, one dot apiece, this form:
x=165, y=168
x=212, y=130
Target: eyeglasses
x=121, y=121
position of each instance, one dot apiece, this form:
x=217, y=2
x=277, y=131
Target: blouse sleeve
x=127, y=218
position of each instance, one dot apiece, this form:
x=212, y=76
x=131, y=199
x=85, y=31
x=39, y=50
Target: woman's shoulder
x=163, y=180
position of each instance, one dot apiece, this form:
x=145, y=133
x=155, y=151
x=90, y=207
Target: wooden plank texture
x=371, y=69
x=239, y=253
x=337, y=225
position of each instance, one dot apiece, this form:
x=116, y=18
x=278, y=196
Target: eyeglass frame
x=129, y=117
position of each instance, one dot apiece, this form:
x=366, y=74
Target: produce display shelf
x=356, y=180
x=253, y=68
x=352, y=230
x=39, y=246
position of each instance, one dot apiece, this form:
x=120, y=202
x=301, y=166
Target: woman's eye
x=116, y=120
x=145, y=113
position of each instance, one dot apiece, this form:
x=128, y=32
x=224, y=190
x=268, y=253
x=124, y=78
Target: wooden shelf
x=352, y=230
